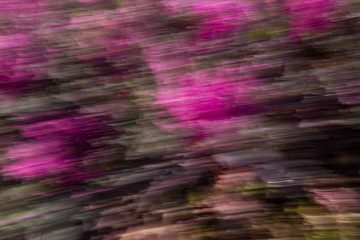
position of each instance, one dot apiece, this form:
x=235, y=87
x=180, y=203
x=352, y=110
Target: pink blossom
x=37, y=159
x=58, y=147
x=18, y=56
x=217, y=19
x=208, y=97
x=310, y=16
x=45, y=129
x=220, y=18
x=78, y=134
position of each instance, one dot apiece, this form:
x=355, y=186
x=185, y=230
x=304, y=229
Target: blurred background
x=179, y=120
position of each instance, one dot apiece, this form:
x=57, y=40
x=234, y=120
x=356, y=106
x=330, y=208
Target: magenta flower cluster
x=54, y=147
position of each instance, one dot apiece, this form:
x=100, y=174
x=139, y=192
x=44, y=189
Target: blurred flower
x=214, y=19
x=208, y=97
x=220, y=18
x=59, y=146
x=310, y=16
x=18, y=54
x=72, y=128
x=37, y=159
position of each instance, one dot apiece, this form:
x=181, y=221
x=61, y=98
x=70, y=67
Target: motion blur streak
x=179, y=119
